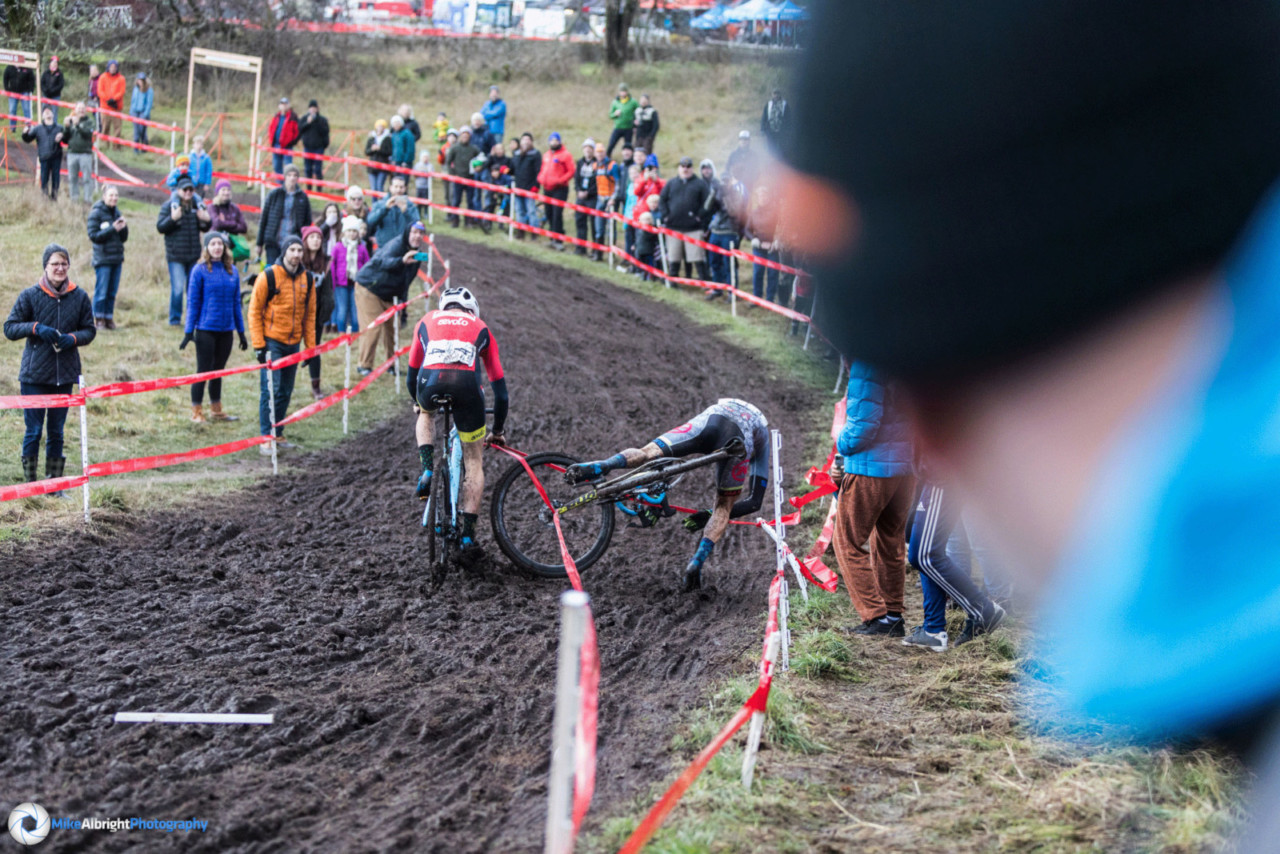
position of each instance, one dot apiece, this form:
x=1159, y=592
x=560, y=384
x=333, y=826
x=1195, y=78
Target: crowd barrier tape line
x=99, y=109
x=41, y=401
x=379, y=371
x=139, y=386
x=128, y=143
x=585, y=752
x=144, y=463
x=114, y=167
x=40, y=487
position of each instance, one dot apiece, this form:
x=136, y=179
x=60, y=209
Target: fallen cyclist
x=729, y=422
x=442, y=362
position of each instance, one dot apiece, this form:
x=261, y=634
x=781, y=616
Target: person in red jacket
x=554, y=177
x=282, y=133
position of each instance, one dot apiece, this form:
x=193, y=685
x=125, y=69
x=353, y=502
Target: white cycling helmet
x=459, y=298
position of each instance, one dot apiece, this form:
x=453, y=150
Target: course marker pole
x=271, y=401
x=757, y=719
x=431, y=208
x=346, y=384
x=784, y=619
x=573, y=627
x=813, y=310
x=191, y=718
x=733, y=291
x=839, y=375
x=776, y=439
x=511, y=212
x=431, y=239
x=666, y=268
x=613, y=237
x=84, y=448
x=395, y=331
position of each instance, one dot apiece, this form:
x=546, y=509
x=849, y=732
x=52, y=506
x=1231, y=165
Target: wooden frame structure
x=235, y=62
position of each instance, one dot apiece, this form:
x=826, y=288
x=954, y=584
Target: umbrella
x=752, y=10
x=789, y=11
x=712, y=19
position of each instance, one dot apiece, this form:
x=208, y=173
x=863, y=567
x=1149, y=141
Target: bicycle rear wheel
x=523, y=526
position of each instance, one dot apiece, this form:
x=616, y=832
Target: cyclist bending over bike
x=442, y=362
x=714, y=428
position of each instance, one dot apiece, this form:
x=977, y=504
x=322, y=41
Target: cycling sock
x=617, y=461
x=703, y=552
x=425, y=453
x=468, y=526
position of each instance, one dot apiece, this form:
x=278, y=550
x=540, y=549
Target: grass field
x=869, y=747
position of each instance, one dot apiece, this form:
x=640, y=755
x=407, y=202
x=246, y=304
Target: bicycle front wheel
x=523, y=524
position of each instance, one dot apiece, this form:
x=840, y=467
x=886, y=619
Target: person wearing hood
x=108, y=232
x=111, y=87
x=48, y=139
x=78, y=136
x=140, y=104
x=213, y=314
x=378, y=148
x=56, y=318
x=380, y=284
x=554, y=177
x=494, y=112
x=282, y=317
x=19, y=81
x=51, y=83
x=285, y=213
x=181, y=221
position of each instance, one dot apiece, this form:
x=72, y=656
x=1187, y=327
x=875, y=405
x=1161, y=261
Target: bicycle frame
x=611, y=490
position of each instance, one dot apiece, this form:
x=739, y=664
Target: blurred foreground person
x=1056, y=226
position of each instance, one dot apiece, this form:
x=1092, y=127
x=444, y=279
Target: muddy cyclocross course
x=407, y=716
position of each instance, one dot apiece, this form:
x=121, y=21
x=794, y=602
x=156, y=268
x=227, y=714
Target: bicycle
x=440, y=515
x=522, y=522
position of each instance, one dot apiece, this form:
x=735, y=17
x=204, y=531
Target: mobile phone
x=421, y=256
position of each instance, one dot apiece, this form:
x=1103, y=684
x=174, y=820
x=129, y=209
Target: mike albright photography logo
x=28, y=824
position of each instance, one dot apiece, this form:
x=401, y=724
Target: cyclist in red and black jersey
x=442, y=362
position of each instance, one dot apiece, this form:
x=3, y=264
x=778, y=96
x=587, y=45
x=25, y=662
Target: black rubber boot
x=30, y=465
x=700, y=271
x=54, y=467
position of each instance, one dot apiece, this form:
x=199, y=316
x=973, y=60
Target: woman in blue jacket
x=140, y=106
x=213, y=313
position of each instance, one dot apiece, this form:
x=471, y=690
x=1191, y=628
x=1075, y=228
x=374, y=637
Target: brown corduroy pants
x=873, y=509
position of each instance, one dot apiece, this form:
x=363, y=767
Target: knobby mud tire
x=532, y=545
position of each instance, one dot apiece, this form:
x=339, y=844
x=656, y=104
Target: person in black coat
x=313, y=130
x=683, y=208
x=51, y=84
x=108, y=232
x=48, y=139
x=381, y=283
x=181, y=221
x=56, y=318
x=19, y=81
x=286, y=212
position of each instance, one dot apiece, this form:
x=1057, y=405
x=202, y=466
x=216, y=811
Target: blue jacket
x=213, y=300
x=876, y=439
x=140, y=103
x=495, y=114
x=201, y=168
x=1166, y=606
x=388, y=222
x=402, y=147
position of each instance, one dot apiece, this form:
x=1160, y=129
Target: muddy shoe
x=692, y=579
x=424, y=485
x=469, y=554
x=578, y=472
x=932, y=641
x=884, y=626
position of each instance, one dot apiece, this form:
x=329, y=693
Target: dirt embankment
x=407, y=718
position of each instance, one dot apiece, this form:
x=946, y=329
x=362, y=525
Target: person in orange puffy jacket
x=111, y=89
x=554, y=177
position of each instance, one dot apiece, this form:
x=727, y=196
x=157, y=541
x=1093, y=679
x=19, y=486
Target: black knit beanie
x=51, y=250
x=1021, y=171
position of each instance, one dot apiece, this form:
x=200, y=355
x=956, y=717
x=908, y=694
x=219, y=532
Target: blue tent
x=789, y=11
x=752, y=10
x=712, y=19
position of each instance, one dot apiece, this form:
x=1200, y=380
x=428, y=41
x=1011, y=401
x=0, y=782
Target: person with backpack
x=282, y=316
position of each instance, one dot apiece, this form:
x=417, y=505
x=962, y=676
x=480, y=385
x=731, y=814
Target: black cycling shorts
x=468, y=399
x=707, y=434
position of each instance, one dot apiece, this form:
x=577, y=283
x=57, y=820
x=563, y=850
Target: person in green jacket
x=78, y=135
x=623, y=113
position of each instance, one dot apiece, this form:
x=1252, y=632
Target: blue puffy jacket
x=876, y=439
x=213, y=300
x=495, y=115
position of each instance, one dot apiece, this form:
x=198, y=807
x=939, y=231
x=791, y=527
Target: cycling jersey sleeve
x=418, y=352
x=500, y=402
x=488, y=346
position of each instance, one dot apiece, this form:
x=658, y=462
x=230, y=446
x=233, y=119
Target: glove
x=244, y=342
x=497, y=438
x=262, y=355
x=697, y=521
x=186, y=339
x=48, y=334
x=65, y=342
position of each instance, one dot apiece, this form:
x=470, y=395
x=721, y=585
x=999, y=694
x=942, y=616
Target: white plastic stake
x=173, y=149
x=271, y=401
x=757, y=719
x=666, y=268
x=84, y=448
x=775, y=439
x=839, y=376
x=813, y=309
x=786, y=551
x=431, y=210
x=191, y=718
x=346, y=384
x=395, y=351
x=784, y=619
x=613, y=236
x=448, y=267
x=431, y=244
x=573, y=626
x=511, y=212
x=733, y=280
